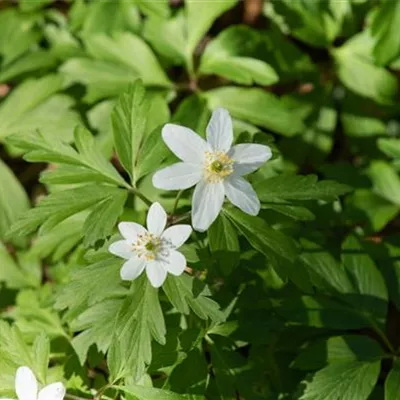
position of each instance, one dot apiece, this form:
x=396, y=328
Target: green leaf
x=224, y=244
x=392, y=383
x=33, y=316
x=140, y=320
x=97, y=326
x=103, y=217
x=89, y=285
x=113, y=64
x=200, y=16
x=19, y=273
x=13, y=199
x=193, y=113
x=324, y=312
x=27, y=5
x=327, y=274
x=31, y=62
x=35, y=104
x=155, y=8
x=298, y=187
x=149, y=393
x=359, y=74
x=60, y=240
x=60, y=205
x=343, y=381
x=17, y=34
x=343, y=349
x=390, y=147
x=384, y=29
x=379, y=211
x=167, y=36
x=370, y=292
x=180, y=291
x=129, y=122
x=86, y=163
x=139, y=150
x=386, y=182
x=13, y=346
x=230, y=56
x=261, y=236
x=94, y=17
x=256, y=106
x=311, y=22
x=41, y=355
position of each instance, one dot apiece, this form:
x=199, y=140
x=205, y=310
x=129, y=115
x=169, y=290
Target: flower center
x=150, y=247
x=217, y=166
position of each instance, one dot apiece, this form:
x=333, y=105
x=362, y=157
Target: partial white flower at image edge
x=214, y=166
x=26, y=387
x=153, y=249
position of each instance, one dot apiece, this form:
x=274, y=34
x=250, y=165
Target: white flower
x=214, y=166
x=154, y=248
x=26, y=387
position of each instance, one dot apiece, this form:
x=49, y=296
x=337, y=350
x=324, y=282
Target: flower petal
x=177, y=234
x=220, y=131
x=176, y=263
x=55, y=391
x=184, y=143
x=178, y=176
x=206, y=204
x=121, y=248
x=132, y=269
x=249, y=157
x=26, y=385
x=156, y=219
x=156, y=273
x=242, y=195
x=131, y=230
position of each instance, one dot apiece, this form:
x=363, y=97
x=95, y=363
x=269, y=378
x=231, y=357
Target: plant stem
x=181, y=218
x=383, y=337
x=141, y=196
x=72, y=397
x=178, y=196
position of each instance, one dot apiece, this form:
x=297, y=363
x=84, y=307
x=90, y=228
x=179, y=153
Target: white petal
x=156, y=219
x=249, y=157
x=184, y=143
x=220, y=131
x=178, y=176
x=131, y=230
x=177, y=234
x=121, y=248
x=156, y=273
x=206, y=205
x=242, y=195
x=176, y=263
x=25, y=384
x=132, y=269
x=55, y=391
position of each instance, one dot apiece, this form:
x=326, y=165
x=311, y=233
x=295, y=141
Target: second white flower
x=214, y=166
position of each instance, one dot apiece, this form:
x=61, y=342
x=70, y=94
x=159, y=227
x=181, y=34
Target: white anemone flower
x=26, y=387
x=153, y=249
x=214, y=166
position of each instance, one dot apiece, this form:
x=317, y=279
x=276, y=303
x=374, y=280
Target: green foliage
x=297, y=300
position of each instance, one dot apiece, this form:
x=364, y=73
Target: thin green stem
x=141, y=196
x=181, y=218
x=383, y=337
x=176, y=203
x=72, y=397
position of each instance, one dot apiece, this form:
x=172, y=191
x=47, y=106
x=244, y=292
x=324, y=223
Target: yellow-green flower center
x=217, y=166
x=150, y=246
